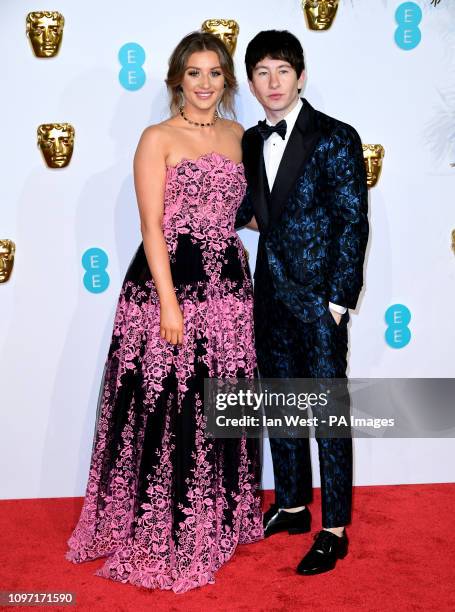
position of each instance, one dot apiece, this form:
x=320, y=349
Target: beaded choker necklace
x=196, y=123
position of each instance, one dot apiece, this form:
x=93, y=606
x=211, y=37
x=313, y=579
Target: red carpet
x=401, y=558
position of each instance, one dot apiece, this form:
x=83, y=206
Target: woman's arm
x=149, y=182
x=253, y=224
x=245, y=214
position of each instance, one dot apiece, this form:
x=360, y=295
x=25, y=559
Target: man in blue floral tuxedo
x=307, y=196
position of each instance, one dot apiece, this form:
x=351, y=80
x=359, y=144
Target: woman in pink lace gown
x=166, y=505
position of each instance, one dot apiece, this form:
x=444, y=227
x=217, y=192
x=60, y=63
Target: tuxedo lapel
x=253, y=159
x=298, y=150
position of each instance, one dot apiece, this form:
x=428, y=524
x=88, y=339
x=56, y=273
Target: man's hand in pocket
x=336, y=315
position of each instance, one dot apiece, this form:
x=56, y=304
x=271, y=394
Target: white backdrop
x=54, y=334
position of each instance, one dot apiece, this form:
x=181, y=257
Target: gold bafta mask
x=320, y=13
x=56, y=141
x=7, y=250
x=373, y=155
x=45, y=30
x=226, y=29
x=453, y=240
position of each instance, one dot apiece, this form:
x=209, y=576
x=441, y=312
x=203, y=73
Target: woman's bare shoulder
x=158, y=135
x=157, y=131
x=235, y=126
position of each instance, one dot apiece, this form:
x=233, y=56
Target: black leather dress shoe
x=276, y=520
x=324, y=553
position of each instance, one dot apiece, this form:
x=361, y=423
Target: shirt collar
x=291, y=117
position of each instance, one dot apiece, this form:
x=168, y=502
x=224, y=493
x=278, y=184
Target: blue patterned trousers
x=289, y=348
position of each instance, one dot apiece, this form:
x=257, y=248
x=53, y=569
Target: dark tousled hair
x=276, y=44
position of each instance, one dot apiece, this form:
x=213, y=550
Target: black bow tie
x=266, y=130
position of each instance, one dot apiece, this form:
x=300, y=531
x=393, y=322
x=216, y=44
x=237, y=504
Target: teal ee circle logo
x=397, y=334
x=94, y=262
x=408, y=17
x=132, y=76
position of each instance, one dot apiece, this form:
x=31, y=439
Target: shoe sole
x=320, y=571
x=315, y=572
x=291, y=531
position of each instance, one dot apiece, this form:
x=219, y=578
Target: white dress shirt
x=274, y=148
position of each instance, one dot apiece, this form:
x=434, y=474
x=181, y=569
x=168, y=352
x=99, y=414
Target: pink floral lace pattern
x=160, y=504
x=201, y=199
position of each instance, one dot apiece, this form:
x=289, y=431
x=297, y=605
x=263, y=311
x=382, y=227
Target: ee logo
x=408, y=17
x=132, y=75
x=94, y=262
x=397, y=334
